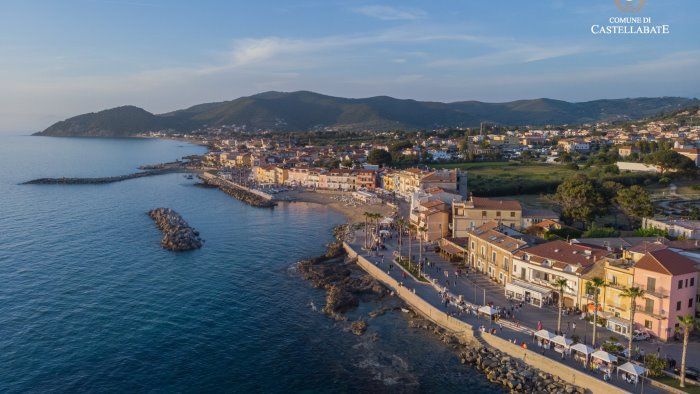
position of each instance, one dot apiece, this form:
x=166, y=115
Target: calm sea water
x=89, y=302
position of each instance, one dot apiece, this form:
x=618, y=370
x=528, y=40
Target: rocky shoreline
x=346, y=287
x=99, y=181
x=177, y=234
x=240, y=194
x=345, y=283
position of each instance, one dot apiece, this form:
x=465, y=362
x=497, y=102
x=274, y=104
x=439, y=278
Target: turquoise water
x=89, y=301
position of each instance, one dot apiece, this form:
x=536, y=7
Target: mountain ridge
x=305, y=110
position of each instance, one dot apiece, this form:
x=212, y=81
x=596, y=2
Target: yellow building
x=491, y=251
x=434, y=217
x=477, y=211
x=269, y=174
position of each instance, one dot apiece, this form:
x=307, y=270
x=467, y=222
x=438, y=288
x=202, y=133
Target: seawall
x=470, y=335
x=250, y=196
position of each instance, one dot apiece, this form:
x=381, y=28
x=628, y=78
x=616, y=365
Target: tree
x=400, y=223
x=669, y=160
x=420, y=231
x=688, y=324
x=579, y=199
x=595, y=284
x=654, y=364
x=560, y=283
x=411, y=230
x=632, y=293
x=635, y=202
x=379, y=157
x=367, y=215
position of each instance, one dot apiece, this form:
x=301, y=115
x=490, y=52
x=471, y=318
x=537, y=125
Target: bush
x=600, y=232
x=654, y=364
x=650, y=232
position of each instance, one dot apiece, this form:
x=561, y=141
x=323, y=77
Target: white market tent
x=544, y=334
x=582, y=348
x=604, y=356
x=487, y=310
x=562, y=341
x=631, y=369
x=386, y=221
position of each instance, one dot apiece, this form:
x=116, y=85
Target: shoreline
x=353, y=213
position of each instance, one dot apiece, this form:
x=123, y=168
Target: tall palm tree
x=367, y=215
x=632, y=293
x=420, y=231
x=400, y=223
x=596, y=284
x=560, y=283
x=411, y=230
x=688, y=324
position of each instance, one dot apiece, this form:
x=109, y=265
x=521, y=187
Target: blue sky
x=63, y=58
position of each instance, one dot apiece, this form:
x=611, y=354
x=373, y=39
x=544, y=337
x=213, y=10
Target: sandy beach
x=342, y=202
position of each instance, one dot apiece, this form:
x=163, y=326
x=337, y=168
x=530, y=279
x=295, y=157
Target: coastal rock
x=177, y=234
x=240, y=194
x=358, y=327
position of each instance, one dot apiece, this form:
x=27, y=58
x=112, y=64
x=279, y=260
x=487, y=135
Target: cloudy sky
x=63, y=58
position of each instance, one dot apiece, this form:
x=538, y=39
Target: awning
x=387, y=221
x=544, y=334
x=582, y=348
x=604, y=356
x=487, y=310
x=451, y=249
x=522, y=287
x=630, y=368
x=562, y=340
x=618, y=321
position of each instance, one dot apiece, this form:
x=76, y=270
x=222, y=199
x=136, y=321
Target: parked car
x=640, y=335
x=690, y=372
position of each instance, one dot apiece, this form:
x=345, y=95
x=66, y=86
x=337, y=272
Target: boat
x=404, y=310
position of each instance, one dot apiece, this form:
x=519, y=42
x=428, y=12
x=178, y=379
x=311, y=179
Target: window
x=483, y=213
x=505, y=263
x=678, y=306
x=690, y=303
x=473, y=246
x=493, y=257
x=651, y=284
x=498, y=213
x=680, y=284
x=483, y=252
x=512, y=214
x=692, y=282
x=515, y=269
x=648, y=305
x=647, y=324
x=686, y=283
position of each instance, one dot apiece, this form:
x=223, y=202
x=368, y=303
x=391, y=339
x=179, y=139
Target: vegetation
x=595, y=285
x=688, y=323
x=600, y=232
x=654, y=364
x=669, y=381
x=668, y=160
x=651, y=232
x=634, y=202
x=379, y=156
x=412, y=269
x=312, y=111
x=579, y=199
x=632, y=293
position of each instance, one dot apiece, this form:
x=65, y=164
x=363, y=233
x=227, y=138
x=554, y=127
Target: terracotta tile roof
x=560, y=254
x=666, y=262
x=489, y=204
x=646, y=247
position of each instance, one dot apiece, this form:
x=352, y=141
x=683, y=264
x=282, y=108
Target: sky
x=63, y=58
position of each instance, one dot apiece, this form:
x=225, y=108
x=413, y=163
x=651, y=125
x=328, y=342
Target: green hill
x=307, y=111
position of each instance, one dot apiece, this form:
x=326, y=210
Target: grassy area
x=689, y=388
x=413, y=269
x=513, y=178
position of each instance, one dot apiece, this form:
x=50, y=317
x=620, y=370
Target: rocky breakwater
x=177, y=234
x=238, y=193
x=345, y=283
x=511, y=373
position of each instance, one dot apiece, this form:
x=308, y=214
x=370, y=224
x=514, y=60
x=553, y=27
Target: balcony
x=662, y=315
x=655, y=292
x=617, y=286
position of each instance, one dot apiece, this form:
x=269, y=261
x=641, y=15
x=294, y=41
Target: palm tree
x=596, y=283
x=632, y=293
x=367, y=215
x=560, y=283
x=420, y=231
x=411, y=230
x=400, y=223
x=688, y=324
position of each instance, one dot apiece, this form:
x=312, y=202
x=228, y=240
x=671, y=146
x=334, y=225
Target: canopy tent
x=487, y=310
x=386, y=221
x=630, y=368
x=544, y=334
x=604, y=356
x=562, y=341
x=582, y=348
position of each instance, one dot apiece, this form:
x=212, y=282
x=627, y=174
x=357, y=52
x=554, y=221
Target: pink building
x=670, y=281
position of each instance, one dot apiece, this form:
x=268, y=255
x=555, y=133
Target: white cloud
x=388, y=13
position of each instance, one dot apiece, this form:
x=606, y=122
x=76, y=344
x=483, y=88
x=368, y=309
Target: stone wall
x=209, y=177
x=469, y=334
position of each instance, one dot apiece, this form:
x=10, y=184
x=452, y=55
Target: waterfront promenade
x=474, y=289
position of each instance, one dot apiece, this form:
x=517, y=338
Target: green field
x=513, y=178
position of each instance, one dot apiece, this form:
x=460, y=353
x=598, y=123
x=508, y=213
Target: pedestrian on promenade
x=573, y=326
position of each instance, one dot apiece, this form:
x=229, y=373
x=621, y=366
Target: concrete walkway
x=474, y=288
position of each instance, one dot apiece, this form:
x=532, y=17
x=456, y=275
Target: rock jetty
x=247, y=197
x=177, y=234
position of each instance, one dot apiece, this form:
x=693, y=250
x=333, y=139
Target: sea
x=90, y=302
